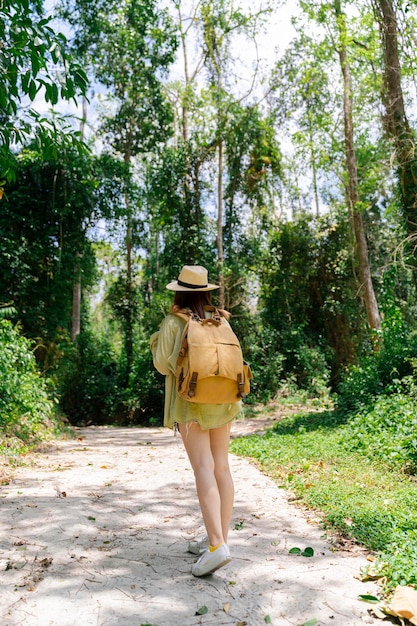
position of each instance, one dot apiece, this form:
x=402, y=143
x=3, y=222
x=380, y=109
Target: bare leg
x=206, y=451
x=219, y=442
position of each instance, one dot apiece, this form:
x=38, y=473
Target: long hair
x=197, y=301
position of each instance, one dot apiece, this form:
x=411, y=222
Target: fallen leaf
x=12, y=565
x=404, y=603
x=367, y=598
x=226, y=607
x=203, y=610
x=311, y=622
x=309, y=552
x=379, y=613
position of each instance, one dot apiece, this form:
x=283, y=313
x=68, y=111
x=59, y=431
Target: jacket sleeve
x=163, y=346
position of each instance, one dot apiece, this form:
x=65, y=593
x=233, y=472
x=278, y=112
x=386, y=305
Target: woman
x=204, y=428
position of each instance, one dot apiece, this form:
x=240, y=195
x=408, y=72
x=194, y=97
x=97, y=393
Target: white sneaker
x=198, y=547
x=210, y=561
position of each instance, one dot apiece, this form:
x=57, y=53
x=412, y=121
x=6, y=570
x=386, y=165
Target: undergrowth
x=28, y=413
x=357, y=471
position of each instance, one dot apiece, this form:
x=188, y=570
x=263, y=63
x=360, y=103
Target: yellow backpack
x=210, y=365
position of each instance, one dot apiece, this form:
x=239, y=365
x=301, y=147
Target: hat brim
x=174, y=286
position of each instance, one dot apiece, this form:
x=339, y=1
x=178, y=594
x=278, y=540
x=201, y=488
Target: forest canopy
x=153, y=135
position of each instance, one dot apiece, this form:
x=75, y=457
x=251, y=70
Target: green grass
x=358, y=491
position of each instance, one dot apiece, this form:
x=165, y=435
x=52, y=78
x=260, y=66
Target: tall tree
x=130, y=47
x=371, y=305
x=45, y=220
x=396, y=121
x=33, y=60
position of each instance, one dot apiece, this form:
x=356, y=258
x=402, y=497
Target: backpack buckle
x=241, y=386
x=192, y=385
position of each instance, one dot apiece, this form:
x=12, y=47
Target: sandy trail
x=94, y=533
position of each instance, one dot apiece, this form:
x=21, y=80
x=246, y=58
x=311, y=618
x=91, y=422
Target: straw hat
x=192, y=278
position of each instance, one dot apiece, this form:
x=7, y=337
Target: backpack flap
x=210, y=366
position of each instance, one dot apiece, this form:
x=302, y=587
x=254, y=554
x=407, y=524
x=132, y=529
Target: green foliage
x=129, y=45
x=92, y=381
x=396, y=564
x=45, y=241
x=34, y=58
x=386, y=431
x=178, y=228
x=92, y=388
x=253, y=166
x=259, y=349
x=380, y=373
x=308, y=295
x=146, y=388
x=363, y=496
x=26, y=409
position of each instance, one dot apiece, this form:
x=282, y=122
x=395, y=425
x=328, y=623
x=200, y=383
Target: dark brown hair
x=194, y=300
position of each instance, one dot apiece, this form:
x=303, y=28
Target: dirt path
x=94, y=532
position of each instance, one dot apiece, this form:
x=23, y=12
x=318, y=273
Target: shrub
x=26, y=409
x=396, y=565
x=386, y=431
x=381, y=373
x=146, y=388
x=259, y=346
x=93, y=388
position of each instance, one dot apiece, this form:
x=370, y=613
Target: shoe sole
x=221, y=564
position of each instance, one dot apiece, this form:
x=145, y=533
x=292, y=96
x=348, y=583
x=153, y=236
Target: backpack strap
x=184, y=337
x=182, y=315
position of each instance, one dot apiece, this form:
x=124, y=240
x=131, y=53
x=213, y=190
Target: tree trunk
x=311, y=145
x=76, y=306
x=220, y=253
x=395, y=121
x=186, y=79
x=76, y=293
x=371, y=305
x=129, y=282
